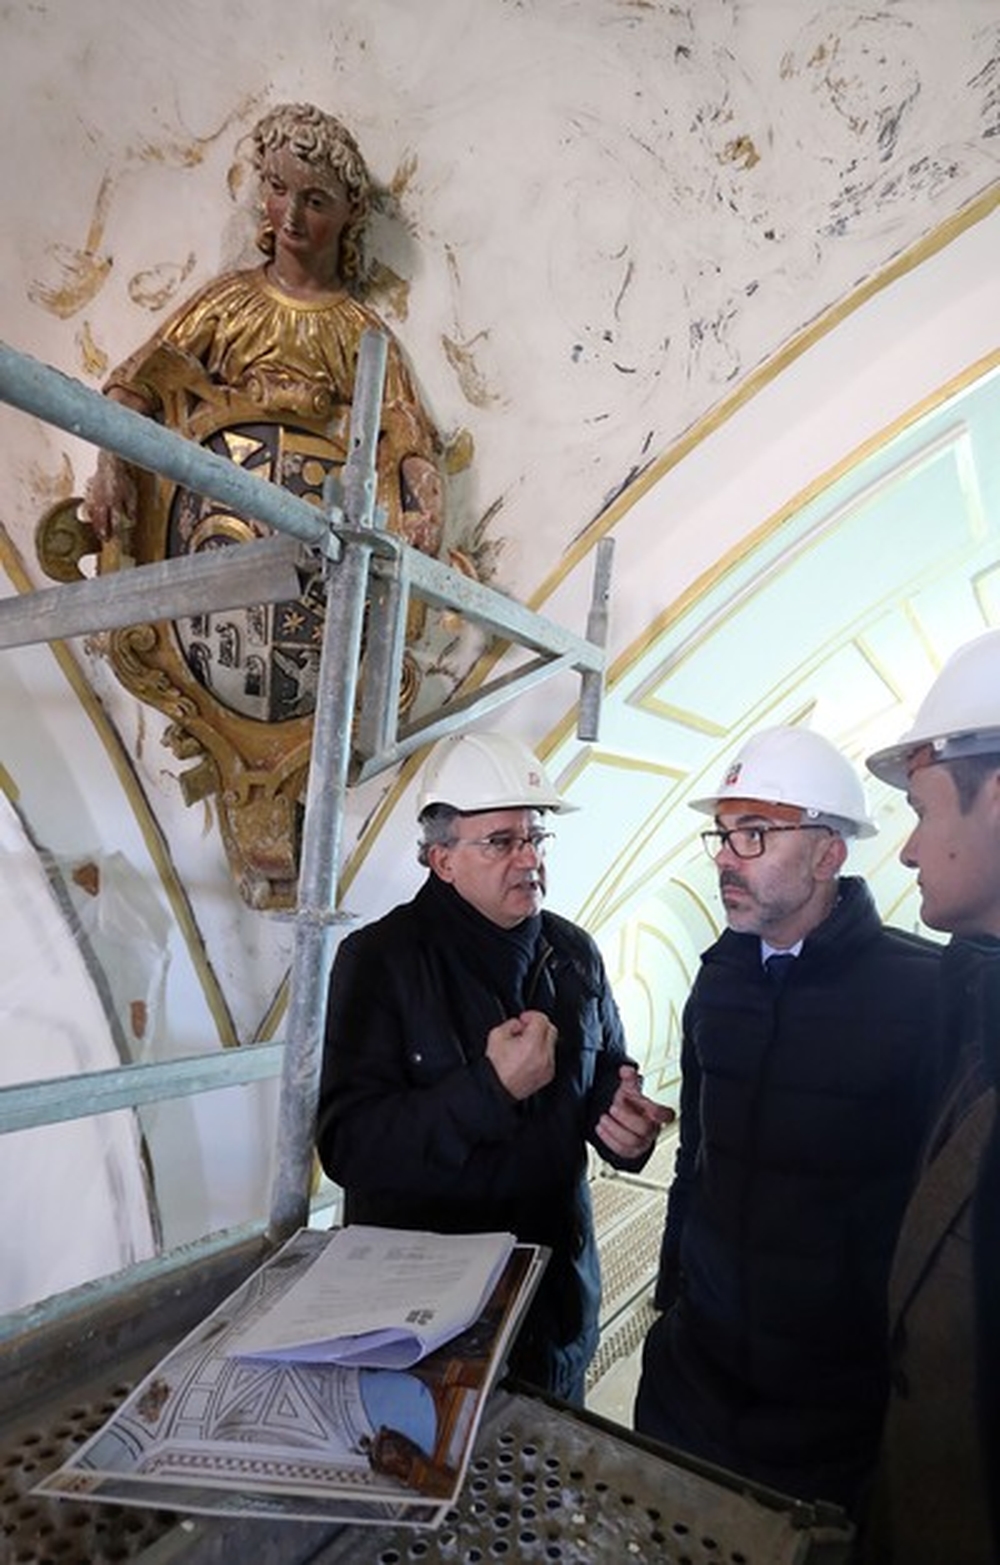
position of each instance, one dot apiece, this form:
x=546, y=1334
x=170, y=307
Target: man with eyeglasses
x=474, y=1049
x=810, y=1061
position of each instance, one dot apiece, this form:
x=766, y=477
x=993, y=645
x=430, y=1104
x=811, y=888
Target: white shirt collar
x=769, y=950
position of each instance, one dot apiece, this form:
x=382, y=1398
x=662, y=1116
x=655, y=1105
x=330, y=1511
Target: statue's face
x=307, y=208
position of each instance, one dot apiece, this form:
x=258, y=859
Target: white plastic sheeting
x=73, y=1196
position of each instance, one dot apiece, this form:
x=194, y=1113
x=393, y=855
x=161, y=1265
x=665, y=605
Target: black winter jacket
x=416, y=1126
x=803, y=1111
x=941, y=1441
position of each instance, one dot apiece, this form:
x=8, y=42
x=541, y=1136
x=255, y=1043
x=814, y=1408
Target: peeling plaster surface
x=603, y=214
x=599, y=219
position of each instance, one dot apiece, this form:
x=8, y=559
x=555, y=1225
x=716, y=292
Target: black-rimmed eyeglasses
x=504, y=844
x=748, y=842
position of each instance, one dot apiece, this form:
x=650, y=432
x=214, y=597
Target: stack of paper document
x=380, y=1298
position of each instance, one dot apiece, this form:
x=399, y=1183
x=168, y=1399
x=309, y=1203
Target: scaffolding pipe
x=340, y=656
x=349, y=536
x=270, y=570
x=588, y=725
x=48, y=394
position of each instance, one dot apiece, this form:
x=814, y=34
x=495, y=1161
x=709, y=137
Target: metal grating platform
x=620, y=1340
x=39, y=1531
x=630, y=1254
x=629, y=1213
x=60, y=1381
x=546, y=1483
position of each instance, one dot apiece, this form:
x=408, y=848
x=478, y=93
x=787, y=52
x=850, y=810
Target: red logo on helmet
x=732, y=777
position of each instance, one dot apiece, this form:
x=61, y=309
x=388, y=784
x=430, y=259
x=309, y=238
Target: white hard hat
x=959, y=715
x=795, y=766
x=477, y=772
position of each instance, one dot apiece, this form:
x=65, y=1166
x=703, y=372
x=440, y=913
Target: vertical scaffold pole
x=346, y=584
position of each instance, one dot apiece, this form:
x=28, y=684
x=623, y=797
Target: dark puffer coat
x=803, y=1111
x=416, y=1126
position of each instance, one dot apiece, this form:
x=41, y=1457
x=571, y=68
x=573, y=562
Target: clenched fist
x=522, y=1051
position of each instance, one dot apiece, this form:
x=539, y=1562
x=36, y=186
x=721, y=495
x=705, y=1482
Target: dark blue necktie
x=777, y=966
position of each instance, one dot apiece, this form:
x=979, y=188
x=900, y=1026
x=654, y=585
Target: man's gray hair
x=437, y=823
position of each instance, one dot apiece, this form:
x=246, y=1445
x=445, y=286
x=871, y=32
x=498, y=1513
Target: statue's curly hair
x=326, y=145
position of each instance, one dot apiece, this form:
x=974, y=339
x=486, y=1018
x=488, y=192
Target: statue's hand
x=422, y=521
x=110, y=496
x=421, y=531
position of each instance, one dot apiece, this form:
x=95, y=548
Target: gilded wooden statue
x=259, y=366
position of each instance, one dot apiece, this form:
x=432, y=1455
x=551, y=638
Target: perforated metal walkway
x=545, y=1484
x=628, y=1216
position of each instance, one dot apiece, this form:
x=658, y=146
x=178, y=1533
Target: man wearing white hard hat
x=938, y=1494
x=809, y=1066
x=474, y=1049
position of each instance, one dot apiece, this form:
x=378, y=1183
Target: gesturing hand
x=632, y=1122
x=522, y=1051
